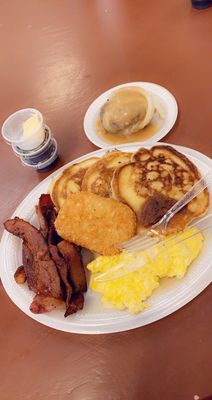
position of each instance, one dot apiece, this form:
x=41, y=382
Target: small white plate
x=94, y=318
x=162, y=96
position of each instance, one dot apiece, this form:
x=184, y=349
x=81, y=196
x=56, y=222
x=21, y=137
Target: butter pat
x=24, y=129
x=33, y=132
x=30, y=126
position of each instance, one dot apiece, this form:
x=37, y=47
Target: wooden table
x=57, y=56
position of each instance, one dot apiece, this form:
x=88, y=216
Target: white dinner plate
x=164, y=98
x=94, y=318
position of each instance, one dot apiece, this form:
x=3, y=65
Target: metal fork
x=158, y=231
x=123, y=268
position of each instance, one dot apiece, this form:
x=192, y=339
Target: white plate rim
x=93, y=328
x=165, y=95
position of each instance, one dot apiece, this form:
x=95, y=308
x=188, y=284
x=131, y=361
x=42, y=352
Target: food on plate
x=131, y=291
x=42, y=304
x=103, y=202
x=46, y=214
x=97, y=178
x=62, y=266
x=95, y=222
x=128, y=110
x=44, y=276
x=69, y=181
x=150, y=181
x=75, y=284
x=130, y=114
x=154, y=181
x=73, y=257
x=20, y=275
x=47, y=270
x=29, y=267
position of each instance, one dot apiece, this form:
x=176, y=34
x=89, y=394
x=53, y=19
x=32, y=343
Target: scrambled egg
x=131, y=291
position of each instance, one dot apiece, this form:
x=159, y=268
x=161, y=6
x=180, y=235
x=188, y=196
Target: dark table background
x=57, y=56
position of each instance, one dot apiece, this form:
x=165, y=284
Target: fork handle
x=198, y=187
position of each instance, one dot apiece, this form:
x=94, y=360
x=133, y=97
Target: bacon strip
x=42, y=304
x=19, y=275
x=76, y=304
x=46, y=280
x=29, y=267
x=61, y=264
x=52, y=274
x=46, y=213
x=76, y=270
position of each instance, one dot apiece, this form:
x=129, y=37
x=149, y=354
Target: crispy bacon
x=61, y=264
x=42, y=304
x=76, y=304
x=45, y=279
x=46, y=213
x=53, y=275
x=20, y=275
x=29, y=267
x=76, y=270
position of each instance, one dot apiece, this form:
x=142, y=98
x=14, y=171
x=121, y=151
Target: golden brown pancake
x=97, y=178
x=70, y=181
x=154, y=181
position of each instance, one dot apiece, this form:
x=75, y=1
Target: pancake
x=154, y=181
x=97, y=178
x=69, y=181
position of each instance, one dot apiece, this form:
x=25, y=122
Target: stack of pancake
x=148, y=181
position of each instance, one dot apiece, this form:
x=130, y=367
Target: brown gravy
x=118, y=138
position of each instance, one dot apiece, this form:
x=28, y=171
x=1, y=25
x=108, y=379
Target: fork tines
x=140, y=242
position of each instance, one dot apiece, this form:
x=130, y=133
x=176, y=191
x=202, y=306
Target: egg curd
x=131, y=291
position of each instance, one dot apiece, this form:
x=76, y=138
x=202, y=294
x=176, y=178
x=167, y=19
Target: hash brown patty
x=95, y=222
